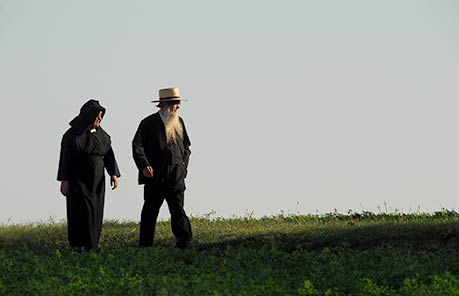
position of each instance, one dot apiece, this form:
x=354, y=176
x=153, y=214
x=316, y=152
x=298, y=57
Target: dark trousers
x=154, y=196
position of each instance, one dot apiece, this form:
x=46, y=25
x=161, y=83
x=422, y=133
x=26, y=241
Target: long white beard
x=174, y=128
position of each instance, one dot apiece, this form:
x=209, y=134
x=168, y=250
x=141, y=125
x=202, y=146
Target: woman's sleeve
x=65, y=159
x=110, y=164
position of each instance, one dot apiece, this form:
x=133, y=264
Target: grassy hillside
x=332, y=254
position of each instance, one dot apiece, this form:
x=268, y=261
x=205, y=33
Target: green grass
x=332, y=254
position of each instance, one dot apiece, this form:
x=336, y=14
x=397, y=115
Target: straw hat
x=169, y=94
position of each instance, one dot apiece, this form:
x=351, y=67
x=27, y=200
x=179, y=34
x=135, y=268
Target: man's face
x=174, y=108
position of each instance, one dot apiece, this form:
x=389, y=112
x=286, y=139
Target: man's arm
x=186, y=144
x=138, y=152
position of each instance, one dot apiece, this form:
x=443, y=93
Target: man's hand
x=64, y=187
x=114, y=182
x=148, y=172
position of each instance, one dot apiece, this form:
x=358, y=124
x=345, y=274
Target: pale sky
x=294, y=106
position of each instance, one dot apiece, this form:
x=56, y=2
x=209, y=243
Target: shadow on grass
x=425, y=236
x=422, y=236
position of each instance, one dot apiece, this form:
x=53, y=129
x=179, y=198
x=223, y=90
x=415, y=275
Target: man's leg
x=153, y=200
x=181, y=226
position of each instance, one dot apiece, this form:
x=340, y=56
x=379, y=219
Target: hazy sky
x=294, y=106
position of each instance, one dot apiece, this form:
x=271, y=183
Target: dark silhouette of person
x=161, y=152
x=85, y=152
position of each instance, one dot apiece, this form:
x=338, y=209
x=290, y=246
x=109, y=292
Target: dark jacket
x=149, y=146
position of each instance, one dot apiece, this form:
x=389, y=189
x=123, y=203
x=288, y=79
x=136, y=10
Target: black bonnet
x=87, y=116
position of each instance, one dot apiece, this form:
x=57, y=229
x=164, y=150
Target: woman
x=85, y=152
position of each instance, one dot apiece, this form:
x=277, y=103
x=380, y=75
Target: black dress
x=85, y=152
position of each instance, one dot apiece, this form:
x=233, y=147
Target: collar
x=163, y=118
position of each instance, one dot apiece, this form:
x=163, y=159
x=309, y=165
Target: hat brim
x=169, y=100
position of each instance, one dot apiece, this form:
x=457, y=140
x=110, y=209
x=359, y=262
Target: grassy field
x=331, y=254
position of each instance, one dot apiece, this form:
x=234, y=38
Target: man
x=161, y=152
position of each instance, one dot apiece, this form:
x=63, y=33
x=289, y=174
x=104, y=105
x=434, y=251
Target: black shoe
x=76, y=249
x=90, y=250
x=183, y=244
